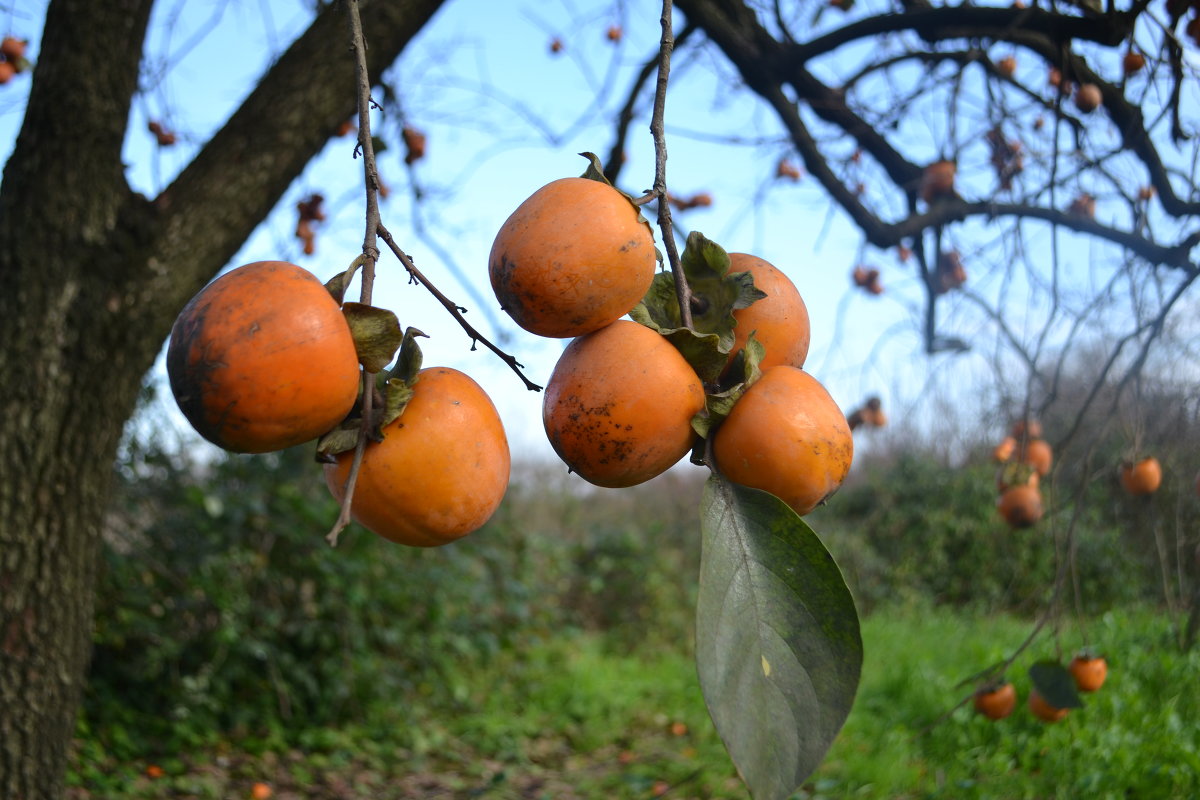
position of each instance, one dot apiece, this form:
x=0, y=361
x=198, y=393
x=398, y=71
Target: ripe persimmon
x=779, y=321
x=1021, y=506
x=1027, y=429
x=619, y=404
x=996, y=701
x=262, y=359
x=1141, y=477
x=1004, y=451
x=937, y=180
x=786, y=436
x=1133, y=62
x=1037, y=453
x=572, y=258
x=7, y=71
x=1043, y=710
x=440, y=471
x=1088, y=671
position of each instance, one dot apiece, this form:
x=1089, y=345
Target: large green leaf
x=778, y=647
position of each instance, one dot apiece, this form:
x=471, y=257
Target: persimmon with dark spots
x=1089, y=671
x=441, y=470
x=1021, y=506
x=619, y=404
x=779, y=321
x=1141, y=477
x=262, y=359
x=786, y=436
x=573, y=258
x=996, y=701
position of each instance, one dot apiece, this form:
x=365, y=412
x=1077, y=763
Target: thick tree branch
x=239, y=176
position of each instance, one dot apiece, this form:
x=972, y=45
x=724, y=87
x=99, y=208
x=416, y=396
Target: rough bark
x=91, y=278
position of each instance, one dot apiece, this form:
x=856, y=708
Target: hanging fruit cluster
x=629, y=399
x=1024, y=459
x=266, y=357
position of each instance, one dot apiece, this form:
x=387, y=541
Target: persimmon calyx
x=707, y=344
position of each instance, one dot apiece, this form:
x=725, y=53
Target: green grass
x=577, y=717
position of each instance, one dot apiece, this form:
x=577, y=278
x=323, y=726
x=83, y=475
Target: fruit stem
x=682, y=292
x=370, y=251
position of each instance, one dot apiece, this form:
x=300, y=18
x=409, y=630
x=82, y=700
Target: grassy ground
x=579, y=718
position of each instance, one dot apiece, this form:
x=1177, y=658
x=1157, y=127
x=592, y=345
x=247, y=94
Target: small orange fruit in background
x=1141, y=477
x=260, y=791
x=937, y=180
x=1021, y=506
x=996, y=702
x=262, y=359
x=1037, y=453
x=1133, y=62
x=1007, y=66
x=12, y=48
x=619, y=404
x=571, y=259
x=788, y=437
x=1004, y=451
x=440, y=471
x=1089, y=672
x=1027, y=428
x=1043, y=710
x=154, y=771
x=779, y=321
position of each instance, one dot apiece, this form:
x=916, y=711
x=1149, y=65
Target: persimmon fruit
x=1088, y=671
x=1043, y=710
x=1039, y=455
x=7, y=71
x=619, y=404
x=996, y=701
x=442, y=467
x=262, y=359
x=779, y=321
x=1007, y=66
x=1004, y=451
x=574, y=257
x=937, y=180
x=1088, y=97
x=1133, y=62
x=1141, y=477
x=786, y=436
x=1021, y=506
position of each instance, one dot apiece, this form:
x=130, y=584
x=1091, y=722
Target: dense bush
x=222, y=608
x=911, y=528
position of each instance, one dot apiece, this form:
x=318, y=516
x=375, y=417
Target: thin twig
x=666, y=44
x=454, y=309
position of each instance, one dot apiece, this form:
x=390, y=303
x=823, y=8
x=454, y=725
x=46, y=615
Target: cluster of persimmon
x=1024, y=458
x=266, y=358
x=12, y=58
x=629, y=398
x=998, y=699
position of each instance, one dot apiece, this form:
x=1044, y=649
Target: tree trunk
x=91, y=278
